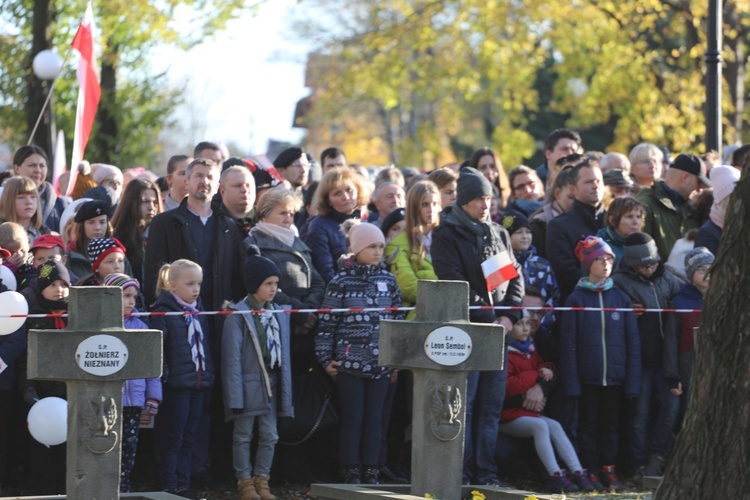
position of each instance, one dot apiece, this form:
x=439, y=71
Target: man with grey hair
x=614, y=161
x=237, y=189
x=387, y=197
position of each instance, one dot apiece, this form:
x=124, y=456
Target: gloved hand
x=152, y=407
x=30, y=396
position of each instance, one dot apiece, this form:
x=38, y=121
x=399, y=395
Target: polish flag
x=89, y=92
x=58, y=167
x=498, y=269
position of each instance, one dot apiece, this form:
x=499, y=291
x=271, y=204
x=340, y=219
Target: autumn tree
x=712, y=453
x=448, y=73
x=136, y=103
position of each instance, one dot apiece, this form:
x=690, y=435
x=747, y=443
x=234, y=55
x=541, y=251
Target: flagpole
x=49, y=96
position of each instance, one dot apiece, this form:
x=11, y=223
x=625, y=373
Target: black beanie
x=287, y=157
x=257, y=269
x=513, y=221
x=391, y=220
x=471, y=185
x=640, y=250
x=49, y=272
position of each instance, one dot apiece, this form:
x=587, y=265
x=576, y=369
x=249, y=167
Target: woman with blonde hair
x=645, y=164
x=20, y=204
x=340, y=195
x=409, y=252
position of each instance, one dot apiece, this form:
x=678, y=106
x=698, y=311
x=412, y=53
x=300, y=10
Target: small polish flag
x=498, y=269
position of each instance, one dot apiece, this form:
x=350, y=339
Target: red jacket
x=523, y=373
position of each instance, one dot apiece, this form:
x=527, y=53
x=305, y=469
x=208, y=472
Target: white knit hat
x=103, y=171
x=724, y=179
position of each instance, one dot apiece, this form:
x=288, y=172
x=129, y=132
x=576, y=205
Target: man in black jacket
x=200, y=232
x=465, y=238
x=585, y=218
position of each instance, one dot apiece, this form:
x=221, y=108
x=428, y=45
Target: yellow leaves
x=477, y=495
x=531, y=497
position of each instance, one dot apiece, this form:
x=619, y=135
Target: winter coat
x=244, y=376
x=709, y=236
x=12, y=350
x=563, y=234
x=52, y=206
x=538, y=221
x=665, y=222
x=523, y=374
x=408, y=270
x=42, y=388
x=654, y=293
x=136, y=392
x=457, y=255
x=300, y=284
x=351, y=338
x=170, y=239
x=537, y=272
x=599, y=347
x=615, y=242
x=678, y=337
x=179, y=370
x=326, y=241
x=78, y=264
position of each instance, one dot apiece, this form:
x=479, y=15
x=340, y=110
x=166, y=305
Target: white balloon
x=48, y=421
x=12, y=303
x=9, y=279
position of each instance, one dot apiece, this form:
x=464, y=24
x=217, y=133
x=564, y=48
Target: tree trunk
x=106, y=135
x=712, y=454
x=43, y=16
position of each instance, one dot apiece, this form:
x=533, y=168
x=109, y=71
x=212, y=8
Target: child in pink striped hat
x=600, y=360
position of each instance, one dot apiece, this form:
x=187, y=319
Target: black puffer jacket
x=563, y=234
x=654, y=293
x=457, y=255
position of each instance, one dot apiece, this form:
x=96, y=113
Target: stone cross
x=440, y=347
x=94, y=355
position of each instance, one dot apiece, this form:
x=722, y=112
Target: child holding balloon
x=47, y=463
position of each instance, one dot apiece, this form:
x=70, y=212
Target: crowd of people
x=602, y=389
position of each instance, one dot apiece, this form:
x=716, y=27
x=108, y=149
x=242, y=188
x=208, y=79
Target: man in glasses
x=293, y=165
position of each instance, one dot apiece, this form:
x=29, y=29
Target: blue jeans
x=177, y=421
x=362, y=401
x=485, y=393
x=267, y=438
x=654, y=391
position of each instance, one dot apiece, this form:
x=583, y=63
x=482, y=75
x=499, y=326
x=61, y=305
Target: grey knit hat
x=640, y=250
x=695, y=258
x=471, y=184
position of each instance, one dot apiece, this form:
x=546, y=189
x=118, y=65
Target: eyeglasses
x=299, y=164
x=571, y=158
x=530, y=184
x=646, y=267
x=535, y=313
x=604, y=259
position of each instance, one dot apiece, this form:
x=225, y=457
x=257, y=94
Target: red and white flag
x=58, y=167
x=89, y=92
x=498, y=269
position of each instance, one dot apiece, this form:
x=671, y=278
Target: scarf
x=525, y=348
x=488, y=247
x=285, y=235
x=195, y=334
x=599, y=286
x=271, y=326
x=53, y=305
x=718, y=210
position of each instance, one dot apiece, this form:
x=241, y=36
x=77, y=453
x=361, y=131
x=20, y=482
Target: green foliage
x=506, y=73
x=129, y=29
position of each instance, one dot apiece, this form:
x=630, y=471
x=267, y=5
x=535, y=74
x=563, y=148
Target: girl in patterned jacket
x=347, y=347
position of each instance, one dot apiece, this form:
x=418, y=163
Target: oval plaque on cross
x=101, y=355
x=448, y=346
